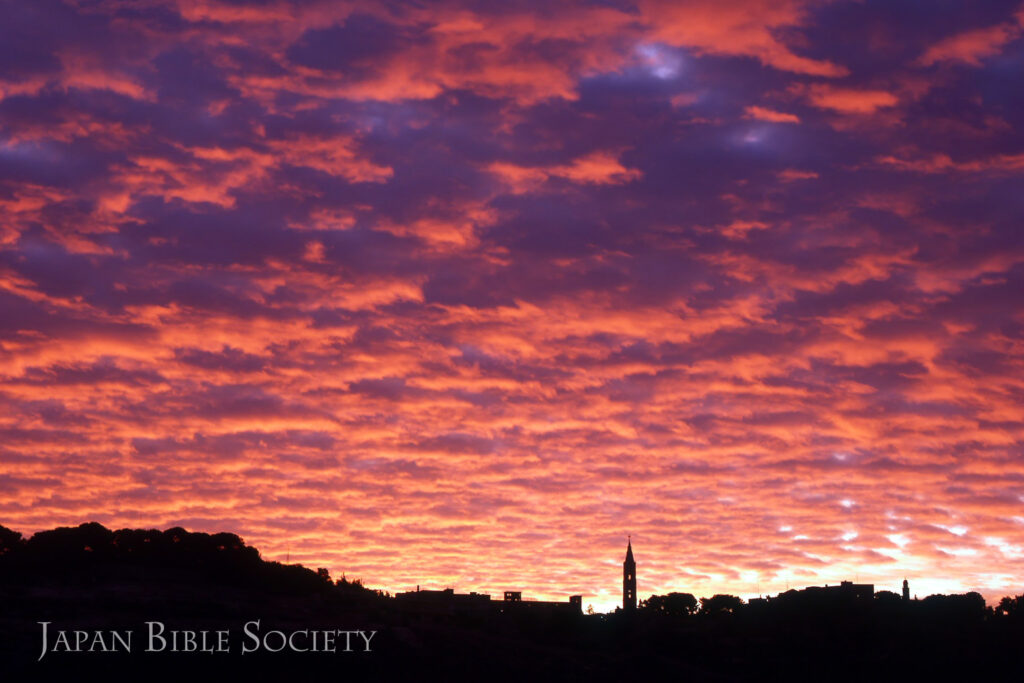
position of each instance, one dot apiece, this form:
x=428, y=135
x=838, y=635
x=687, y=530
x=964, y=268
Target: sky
x=461, y=294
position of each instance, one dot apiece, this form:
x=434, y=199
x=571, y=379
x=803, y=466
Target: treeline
x=93, y=552
x=967, y=607
x=686, y=604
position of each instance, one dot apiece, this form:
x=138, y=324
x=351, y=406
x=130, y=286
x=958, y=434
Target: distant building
x=514, y=604
x=447, y=601
x=860, y=591
x=846, y=592
x=629, y=580
x=906, y=591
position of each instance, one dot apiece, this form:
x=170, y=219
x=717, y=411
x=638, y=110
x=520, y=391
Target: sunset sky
x=462, y=293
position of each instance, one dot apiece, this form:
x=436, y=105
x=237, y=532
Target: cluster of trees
x=96, y=542
x=92, y=550
x=685, y=604
x=1012, y=608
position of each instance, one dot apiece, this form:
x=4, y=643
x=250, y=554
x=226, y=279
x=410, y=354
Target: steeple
x=629, y=579
x=906, y=591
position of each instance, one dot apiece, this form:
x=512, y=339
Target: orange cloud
x=850, y=100
x=791, y=174
x=745, y=28
x=597, y=168
x=765, y=114
x=941, y=163
x=971, y=47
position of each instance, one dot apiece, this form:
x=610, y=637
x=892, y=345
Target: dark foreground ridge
x=96, y=581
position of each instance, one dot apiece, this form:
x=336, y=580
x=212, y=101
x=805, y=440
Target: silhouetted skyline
x=213, y=585
x=60, y=550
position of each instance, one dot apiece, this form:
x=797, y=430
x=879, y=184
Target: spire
x=629, y=579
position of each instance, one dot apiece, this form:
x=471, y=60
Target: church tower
x=906, y=591
x=629, y=580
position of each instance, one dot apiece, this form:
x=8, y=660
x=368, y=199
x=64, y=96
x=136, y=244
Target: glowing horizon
x=422, y=294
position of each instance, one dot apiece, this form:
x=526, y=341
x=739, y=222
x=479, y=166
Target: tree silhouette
x=1012, y=607
x=720, y=604
x=888, y=599
x=10, y=540
x=673, y=604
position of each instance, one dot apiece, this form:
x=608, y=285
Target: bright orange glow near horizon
x=460, y=294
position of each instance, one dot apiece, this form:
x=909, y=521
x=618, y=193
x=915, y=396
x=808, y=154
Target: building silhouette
x=449, y=602
x=445, y=601
x=629, y=580
x=515, y=604
x=846, y=593
x=906, y=591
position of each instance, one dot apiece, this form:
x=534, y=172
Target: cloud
x=849, y=100
x=746, y=28
x=941, y=163
x=765, y=114
x=598, y=168
x=971, y=47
